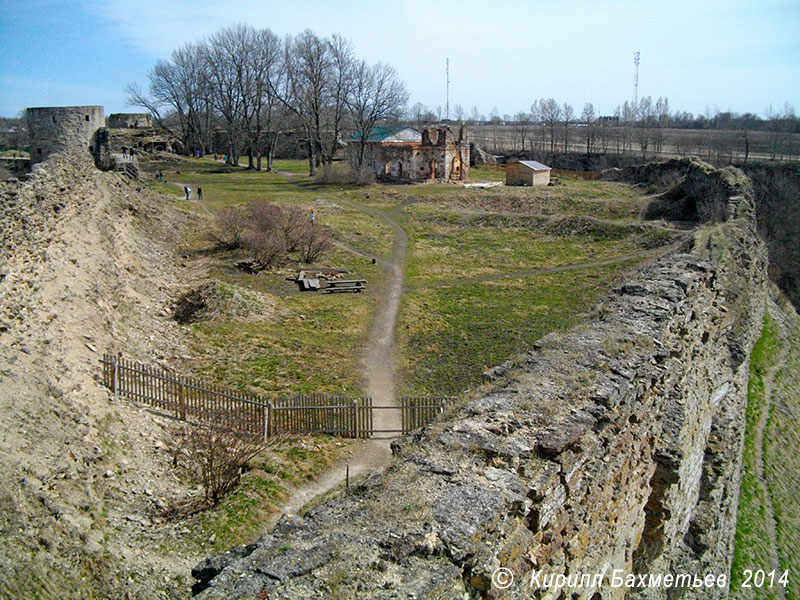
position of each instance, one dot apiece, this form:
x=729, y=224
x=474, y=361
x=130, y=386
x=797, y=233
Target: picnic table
x=345, y=285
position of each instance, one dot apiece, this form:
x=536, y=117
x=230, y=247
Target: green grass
x=752, y=538
x=475, y=293
x=752, y=543
x=242, y=515
x=451, y=334
x=292, y=343
x=782, y=464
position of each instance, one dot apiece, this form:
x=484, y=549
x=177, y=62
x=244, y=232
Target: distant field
x=705, y=143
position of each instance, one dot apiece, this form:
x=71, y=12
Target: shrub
x=232, y=223
x=270, y=233
x=221, y=455
x=316, y=240
x=267, y=246
x=294, y=225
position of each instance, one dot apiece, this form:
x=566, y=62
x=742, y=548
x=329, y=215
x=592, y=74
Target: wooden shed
x=527, y=172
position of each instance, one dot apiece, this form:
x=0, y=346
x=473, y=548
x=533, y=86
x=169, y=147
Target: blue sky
x=702, y=55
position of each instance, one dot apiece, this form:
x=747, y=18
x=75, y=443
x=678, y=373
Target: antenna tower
x=447, y=98
x=635, y=78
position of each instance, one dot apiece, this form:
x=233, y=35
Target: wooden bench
x=345, y=285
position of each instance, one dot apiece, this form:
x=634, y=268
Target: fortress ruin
x=62, y=128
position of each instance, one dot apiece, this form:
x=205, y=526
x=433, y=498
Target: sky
x=702, y=55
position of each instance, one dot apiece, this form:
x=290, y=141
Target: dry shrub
x=221, y=454
x=295, y=222
x=267, y=245
x=263, y=216
x=340, y=174
x=232, y=224
x=316, y=241
x=270, y=233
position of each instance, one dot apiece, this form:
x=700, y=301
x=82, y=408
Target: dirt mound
x=85, y=267
x=213, y=298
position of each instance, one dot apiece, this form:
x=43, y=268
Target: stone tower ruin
x=59, y=128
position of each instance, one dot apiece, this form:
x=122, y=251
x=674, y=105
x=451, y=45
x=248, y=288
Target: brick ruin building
x=403, y=154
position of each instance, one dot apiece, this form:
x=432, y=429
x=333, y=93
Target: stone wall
x=440, y=156
x=62, y=128
x=130, y=121
x=616, y=446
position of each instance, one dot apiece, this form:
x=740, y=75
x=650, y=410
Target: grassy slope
x=752, y=544
x=781, y=468
x=472, y=301
x=782, y=465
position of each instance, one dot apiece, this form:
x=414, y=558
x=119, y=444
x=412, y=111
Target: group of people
x=188, y=191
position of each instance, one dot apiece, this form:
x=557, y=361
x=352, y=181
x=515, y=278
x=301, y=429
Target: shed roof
x=390, y=133
x=534, y=165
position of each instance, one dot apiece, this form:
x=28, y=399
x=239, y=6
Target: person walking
x=187, y=190
x=313, y=217
x=200, y=194
x=124, y=153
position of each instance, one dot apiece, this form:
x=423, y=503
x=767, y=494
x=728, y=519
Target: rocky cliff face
x=78, y=276
x=616, y=446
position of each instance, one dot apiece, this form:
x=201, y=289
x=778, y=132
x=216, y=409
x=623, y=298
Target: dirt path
x=377, y=360
x=769, y=388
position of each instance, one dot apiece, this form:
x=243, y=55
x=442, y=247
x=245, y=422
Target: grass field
x=245, y=513
x=475, y=291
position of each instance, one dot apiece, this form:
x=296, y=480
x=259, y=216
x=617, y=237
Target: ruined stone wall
x=615, y=446
x=431, y=159
x=130, y=120
x=62, y=128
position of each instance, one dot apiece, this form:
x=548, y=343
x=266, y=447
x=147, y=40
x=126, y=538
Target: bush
x=316, y=241
x=231, y=227
x=270, y=233
x=295, y=222
x=221, y=455
x=267, y=246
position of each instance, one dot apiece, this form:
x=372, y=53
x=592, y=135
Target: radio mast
x=447, y=97
x=635, y=78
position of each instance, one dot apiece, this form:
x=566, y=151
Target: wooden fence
x=190, y=399
x=418, y=412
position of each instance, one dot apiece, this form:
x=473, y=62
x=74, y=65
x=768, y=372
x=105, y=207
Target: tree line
x=644, y=128
x=239, y=90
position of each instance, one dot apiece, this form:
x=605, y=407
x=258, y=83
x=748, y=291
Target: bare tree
x=550, y=113
x=522, y=124
x=569, y=115
x=227, y=80
x=376, y=94
x=590, y=123
x=179, y=84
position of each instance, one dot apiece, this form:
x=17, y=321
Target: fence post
x=115, y=366
x=355, y=417
x=181, y=400
x=269, y=418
